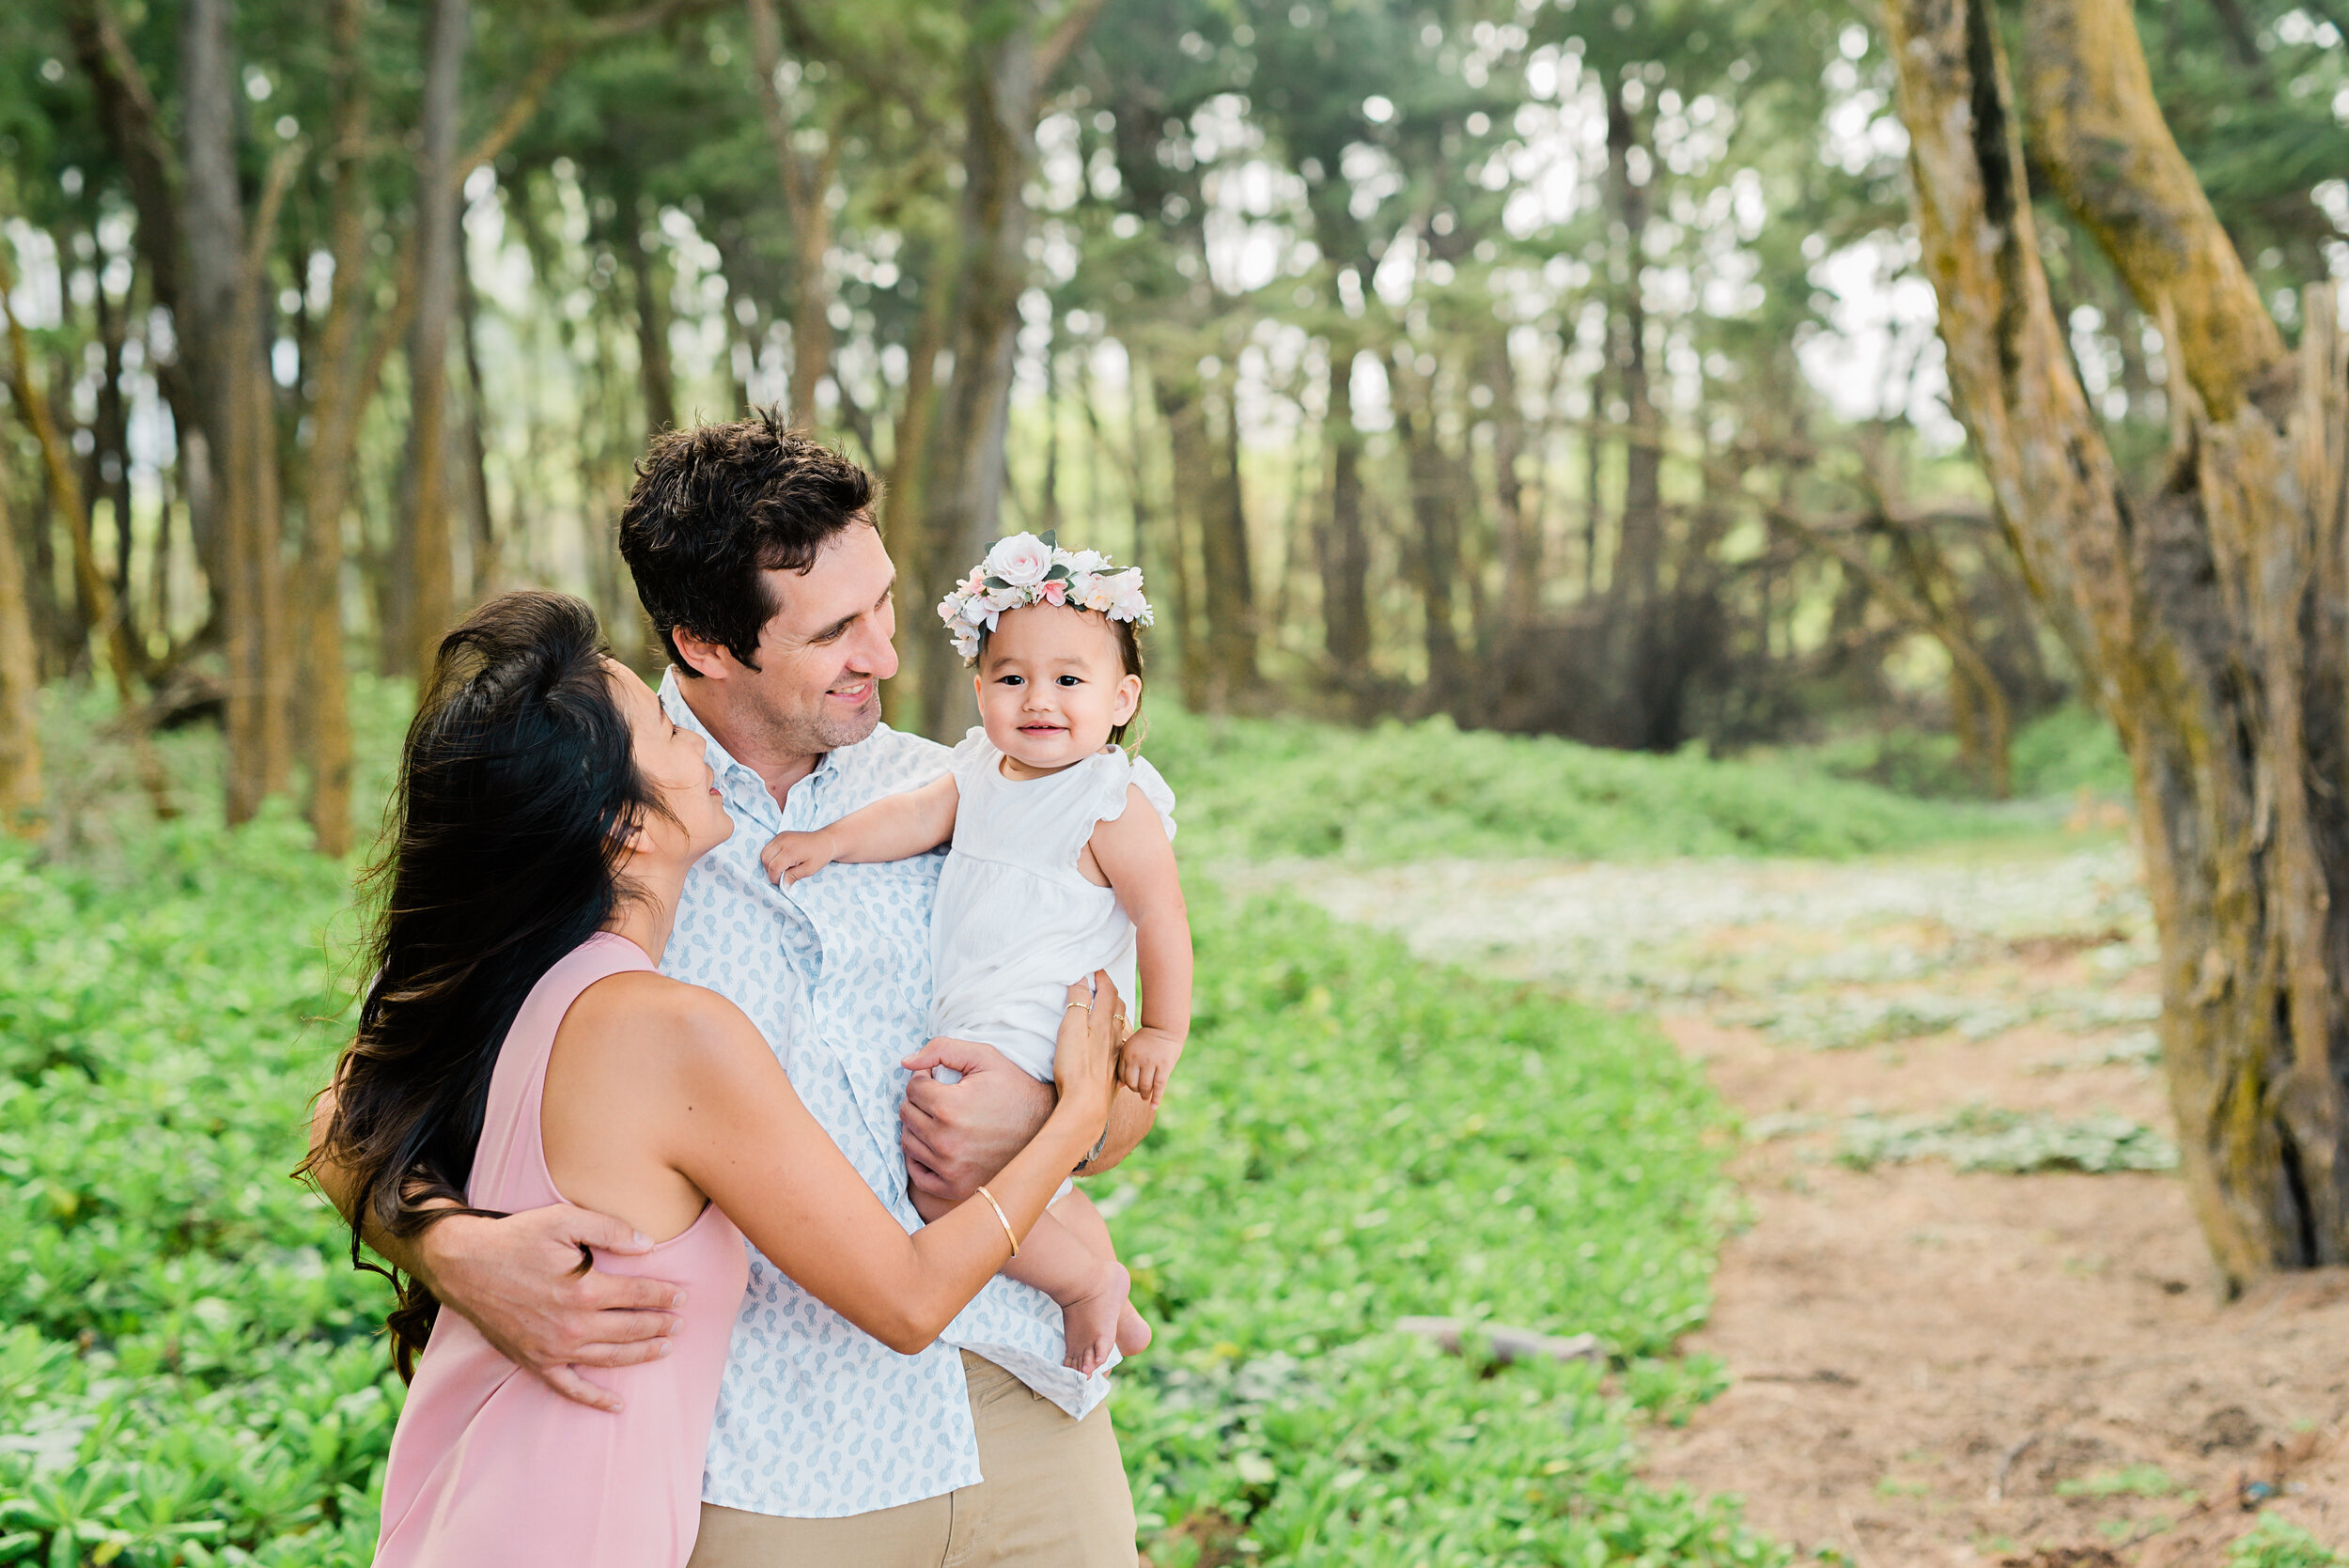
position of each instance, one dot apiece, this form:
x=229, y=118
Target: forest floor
x=1963, y=1322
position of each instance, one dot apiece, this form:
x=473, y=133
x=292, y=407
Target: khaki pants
x=1054, y=1496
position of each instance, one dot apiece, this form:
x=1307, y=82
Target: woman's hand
x=1084, y=1060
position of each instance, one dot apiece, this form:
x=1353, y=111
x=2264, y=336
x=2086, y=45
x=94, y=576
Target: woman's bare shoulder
x=648, y=995
x=696, y=1029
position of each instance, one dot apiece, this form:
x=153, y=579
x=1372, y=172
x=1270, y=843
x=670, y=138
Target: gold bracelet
x=1008, y=1234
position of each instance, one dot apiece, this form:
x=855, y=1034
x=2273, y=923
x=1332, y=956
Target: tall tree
x=1014, y=47
x=21, y=788
x=430, y=566
x=345, y=380
x=806, y=179
x=2210, y=615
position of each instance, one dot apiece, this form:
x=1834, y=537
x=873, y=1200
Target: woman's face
x=672, y=762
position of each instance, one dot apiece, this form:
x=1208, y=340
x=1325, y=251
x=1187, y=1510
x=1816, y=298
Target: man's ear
x=706, y=657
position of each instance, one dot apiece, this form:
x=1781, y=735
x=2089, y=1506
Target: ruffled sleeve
x=972, y=758
x=1114, y=772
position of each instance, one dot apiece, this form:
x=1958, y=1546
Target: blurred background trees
x=1555, y=367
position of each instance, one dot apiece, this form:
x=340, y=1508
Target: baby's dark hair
x=1129, y=655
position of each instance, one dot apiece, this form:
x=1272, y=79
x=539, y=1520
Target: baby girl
x=1063, y=862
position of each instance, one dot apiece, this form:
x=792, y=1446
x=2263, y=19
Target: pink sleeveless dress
x=489, y=1466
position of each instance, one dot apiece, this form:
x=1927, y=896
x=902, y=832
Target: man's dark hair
x=715, y=506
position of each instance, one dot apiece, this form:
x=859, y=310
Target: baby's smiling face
x=1052, y=686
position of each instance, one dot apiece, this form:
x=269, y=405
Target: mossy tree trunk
x=2213, y=616
x=21, y=789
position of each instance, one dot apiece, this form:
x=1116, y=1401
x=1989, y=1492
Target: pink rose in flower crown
x=1023, y=560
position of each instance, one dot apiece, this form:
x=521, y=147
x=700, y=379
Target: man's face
x=825, y=651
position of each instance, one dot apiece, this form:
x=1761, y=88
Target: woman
x=518, y=1048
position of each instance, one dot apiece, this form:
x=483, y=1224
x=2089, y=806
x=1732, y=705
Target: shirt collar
x=733, y=774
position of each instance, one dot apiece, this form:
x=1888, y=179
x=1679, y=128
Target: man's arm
x=958, y=1135
x=524, y=1281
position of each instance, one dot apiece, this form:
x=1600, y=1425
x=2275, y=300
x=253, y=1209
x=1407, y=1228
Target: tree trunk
x=1639, y=547
x=333, y=422
x=1345, y=553
x=271, y=659
x=652, y=326
x=429, y=566
x=1225, y=564
x=2210, y=617
x=1520, y=527
x=21, y=789
x=1435, y=553
x=109, y=466
x=807, y=183
x=211, y=236
x=1003, y=89
x=930, y=660
x=135, y=130
x=1181, y=405
x=964, y=494
x=473, y=446
x=65, y=491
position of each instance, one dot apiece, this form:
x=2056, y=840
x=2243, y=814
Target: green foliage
x=1359, y=1138
x=1270, y=787
x=193, y=1374
x=2131, y=1480
x=2060, y=752
x=192, y=1371
x=2070, y=749
x=2278, y=1543
x=1984, y=1137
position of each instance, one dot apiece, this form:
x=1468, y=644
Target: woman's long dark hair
x=501, y=854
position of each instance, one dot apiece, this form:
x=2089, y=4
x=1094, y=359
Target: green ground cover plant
x=2278, y=1543
x=192, y=1375
x=1262, y=788
x=2064, y=751
x=1989, y=1138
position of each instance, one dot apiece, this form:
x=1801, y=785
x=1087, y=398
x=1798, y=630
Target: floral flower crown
x=1024, y=569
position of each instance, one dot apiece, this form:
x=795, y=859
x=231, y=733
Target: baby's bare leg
x=1089, y=1284
x=1077, y=1212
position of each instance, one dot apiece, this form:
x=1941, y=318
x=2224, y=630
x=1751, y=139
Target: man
x=756, y=558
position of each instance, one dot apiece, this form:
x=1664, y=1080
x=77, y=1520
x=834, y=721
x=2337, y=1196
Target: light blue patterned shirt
x=816, y=1419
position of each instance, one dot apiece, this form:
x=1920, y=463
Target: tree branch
x=2113, y=161
x=1066, y=34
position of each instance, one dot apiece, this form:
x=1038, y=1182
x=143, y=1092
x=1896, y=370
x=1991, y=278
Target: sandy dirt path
x=1933, y=1365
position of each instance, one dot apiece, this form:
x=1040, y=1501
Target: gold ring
x=1074, y=1006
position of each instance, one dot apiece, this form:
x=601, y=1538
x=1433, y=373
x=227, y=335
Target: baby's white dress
x=1015, y=923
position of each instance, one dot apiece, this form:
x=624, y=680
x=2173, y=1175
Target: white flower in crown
x=1024, y=569
x=1023, y=560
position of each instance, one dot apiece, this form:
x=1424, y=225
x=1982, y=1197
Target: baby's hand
x=794, y=857
x=1147, y=1062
